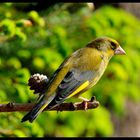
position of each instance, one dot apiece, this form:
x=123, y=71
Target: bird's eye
x=113, y=45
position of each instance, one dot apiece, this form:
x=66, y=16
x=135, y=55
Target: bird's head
x=107, y=46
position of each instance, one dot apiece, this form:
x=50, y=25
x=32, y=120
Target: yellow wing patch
x=84, y=85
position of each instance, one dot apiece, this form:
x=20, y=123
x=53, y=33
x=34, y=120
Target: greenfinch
x=79, y=72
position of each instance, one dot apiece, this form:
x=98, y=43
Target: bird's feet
x=83, y=99
x=84, y=103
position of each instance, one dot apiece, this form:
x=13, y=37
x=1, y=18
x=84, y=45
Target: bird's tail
x=37, y=109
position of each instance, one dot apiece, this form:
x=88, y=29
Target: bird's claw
x=85, y=103
x=93, y=98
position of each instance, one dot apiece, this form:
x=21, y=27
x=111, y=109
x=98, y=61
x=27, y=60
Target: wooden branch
x=20, y=107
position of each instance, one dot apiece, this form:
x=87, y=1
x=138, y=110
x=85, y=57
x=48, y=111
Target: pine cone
x=38, y=83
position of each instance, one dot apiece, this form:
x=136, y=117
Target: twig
x=20, y=107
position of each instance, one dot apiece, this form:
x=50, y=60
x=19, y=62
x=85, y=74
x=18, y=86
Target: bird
x=77, y=73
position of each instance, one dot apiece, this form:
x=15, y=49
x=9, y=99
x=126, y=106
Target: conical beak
x=119, y=51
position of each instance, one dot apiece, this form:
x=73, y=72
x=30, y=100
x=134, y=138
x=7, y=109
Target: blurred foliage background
x=35, y=39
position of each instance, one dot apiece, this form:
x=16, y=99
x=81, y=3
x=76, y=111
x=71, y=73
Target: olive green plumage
x=79, y=72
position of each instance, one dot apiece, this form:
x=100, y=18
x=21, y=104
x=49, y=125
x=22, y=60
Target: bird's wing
x=73, y=83
x=57, y=77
